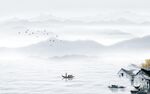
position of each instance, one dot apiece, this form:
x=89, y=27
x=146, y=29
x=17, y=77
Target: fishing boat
x=66, y=76
x=115, y=86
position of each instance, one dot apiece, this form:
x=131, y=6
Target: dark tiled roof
x=129, y=72
x=147, y=72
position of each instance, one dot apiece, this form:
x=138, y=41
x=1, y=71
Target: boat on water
x=66, y=76
x=115, y=86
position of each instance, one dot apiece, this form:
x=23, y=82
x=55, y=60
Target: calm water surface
x=44, y=77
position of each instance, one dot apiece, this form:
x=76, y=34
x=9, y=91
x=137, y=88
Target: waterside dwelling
x=139, y=79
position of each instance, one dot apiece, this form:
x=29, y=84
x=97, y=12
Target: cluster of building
x=139, y=78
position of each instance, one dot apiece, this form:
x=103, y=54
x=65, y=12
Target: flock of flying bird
x=39, y=34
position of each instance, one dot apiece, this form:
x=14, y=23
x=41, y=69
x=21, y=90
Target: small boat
x=115, y=86
x=68, y=76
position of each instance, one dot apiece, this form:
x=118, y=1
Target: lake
x=43, y=76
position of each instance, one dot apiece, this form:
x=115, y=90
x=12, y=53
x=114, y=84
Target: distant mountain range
x=47, y=20
x=70, y=57
x=55, y=47
x=61, y=48
x=133, y=44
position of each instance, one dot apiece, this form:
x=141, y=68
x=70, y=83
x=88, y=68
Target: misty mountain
x=71, y=57
x=92, y=48
x=73, y=49
x=104, y=18
x=60, y=48
x=135, y=44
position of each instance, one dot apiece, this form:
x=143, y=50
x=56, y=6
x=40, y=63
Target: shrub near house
x=146, y=64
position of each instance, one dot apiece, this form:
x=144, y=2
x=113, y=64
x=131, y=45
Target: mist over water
x=93, y=75
x=41, y=40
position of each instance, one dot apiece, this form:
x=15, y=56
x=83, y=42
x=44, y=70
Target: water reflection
x=67, y=79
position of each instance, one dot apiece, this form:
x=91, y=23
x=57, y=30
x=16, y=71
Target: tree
x=146, y=64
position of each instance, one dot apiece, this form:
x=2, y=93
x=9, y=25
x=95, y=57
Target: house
x=140, y=79
x=128, y=74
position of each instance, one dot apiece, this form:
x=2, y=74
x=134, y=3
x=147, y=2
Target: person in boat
x=67, y=76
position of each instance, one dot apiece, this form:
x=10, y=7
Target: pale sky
x=68, y=7
x=87, y=10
